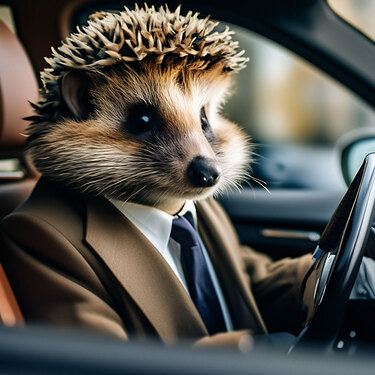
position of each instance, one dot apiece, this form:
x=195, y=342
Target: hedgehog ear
x=75, y=89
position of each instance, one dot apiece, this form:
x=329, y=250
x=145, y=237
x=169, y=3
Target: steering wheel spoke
x=338, y=257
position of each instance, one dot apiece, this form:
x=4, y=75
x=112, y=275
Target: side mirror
x=352, y=148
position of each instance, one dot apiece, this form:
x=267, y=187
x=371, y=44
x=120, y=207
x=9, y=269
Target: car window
x=360, y=13
x=293, y=113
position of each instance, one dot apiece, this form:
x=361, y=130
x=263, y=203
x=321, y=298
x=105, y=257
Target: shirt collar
x=155, y=224
x=189, y=206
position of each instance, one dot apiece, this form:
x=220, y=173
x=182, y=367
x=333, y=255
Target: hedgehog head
x=129, y=108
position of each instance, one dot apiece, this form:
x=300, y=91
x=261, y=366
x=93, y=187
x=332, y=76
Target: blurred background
x=295, y=113
x=291, y=100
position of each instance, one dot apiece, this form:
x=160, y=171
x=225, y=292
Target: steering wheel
x=337, y=260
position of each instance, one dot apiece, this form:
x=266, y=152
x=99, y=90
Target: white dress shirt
x=156, y=226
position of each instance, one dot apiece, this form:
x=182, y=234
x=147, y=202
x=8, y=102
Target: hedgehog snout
x=203, y=172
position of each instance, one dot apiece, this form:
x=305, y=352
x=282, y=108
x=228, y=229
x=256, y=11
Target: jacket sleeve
x=52, y=281
x=277, y=288
x=276, y=285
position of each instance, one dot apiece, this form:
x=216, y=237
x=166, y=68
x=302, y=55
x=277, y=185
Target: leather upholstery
x=10, y=312
x=12, y=194
x=17, y=86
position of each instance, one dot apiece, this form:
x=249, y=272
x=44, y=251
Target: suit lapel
x=142, y=271
x=223, y=249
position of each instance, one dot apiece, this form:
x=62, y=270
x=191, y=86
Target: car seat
x=17, y=177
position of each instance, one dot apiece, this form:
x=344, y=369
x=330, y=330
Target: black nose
x=202, y=172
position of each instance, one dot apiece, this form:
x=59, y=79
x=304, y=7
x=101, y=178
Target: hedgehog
x=121, y=235
x=130, y=109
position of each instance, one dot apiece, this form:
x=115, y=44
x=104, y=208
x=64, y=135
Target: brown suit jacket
x=78, y=262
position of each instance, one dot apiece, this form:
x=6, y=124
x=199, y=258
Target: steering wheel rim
x=331, y=280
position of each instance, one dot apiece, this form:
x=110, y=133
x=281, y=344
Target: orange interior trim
x=9, y=310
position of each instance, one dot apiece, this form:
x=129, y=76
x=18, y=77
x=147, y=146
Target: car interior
x=17, y=177
x=302, y=171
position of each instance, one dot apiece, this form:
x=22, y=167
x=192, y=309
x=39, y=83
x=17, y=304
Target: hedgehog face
x=141, y=130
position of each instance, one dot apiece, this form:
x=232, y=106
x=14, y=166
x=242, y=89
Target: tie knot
x=183, y=231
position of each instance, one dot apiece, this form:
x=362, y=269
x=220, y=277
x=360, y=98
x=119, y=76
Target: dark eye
x=140, y=119
x=204, y=120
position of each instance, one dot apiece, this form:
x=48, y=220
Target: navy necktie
x=197, y=277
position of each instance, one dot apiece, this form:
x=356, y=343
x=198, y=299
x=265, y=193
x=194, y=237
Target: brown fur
x=96, y=155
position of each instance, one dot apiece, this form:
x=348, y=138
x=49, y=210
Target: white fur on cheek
x=100, y=156
x=234, y=157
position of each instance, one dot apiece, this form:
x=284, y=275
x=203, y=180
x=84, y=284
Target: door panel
x=281, y=223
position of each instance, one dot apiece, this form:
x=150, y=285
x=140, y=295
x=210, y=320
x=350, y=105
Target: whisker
x=261, y=183
x=134, y=194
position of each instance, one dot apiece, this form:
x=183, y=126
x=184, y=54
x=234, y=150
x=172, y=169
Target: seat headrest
x=17, y=85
